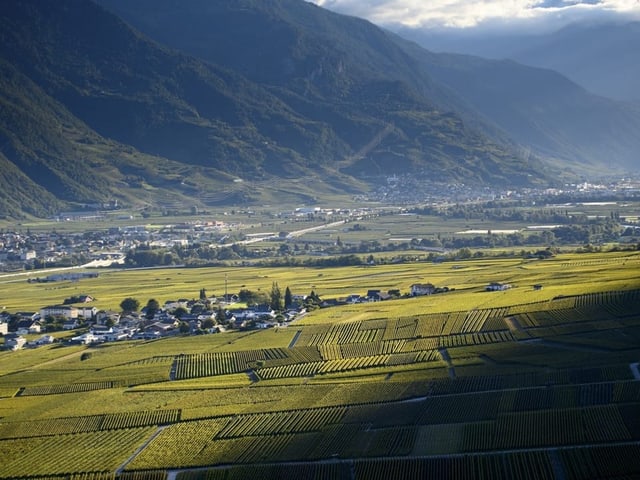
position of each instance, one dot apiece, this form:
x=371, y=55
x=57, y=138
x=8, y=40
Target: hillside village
x=207, y=315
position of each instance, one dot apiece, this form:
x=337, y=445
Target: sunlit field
x=566, y=274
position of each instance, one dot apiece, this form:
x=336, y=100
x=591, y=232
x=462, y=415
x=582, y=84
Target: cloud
x=482, y=13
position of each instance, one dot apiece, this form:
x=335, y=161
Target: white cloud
x=479, y=13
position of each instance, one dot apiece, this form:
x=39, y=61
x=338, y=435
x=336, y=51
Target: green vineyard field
x=542, y=388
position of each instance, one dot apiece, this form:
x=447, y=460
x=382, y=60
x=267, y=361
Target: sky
x=485, y=14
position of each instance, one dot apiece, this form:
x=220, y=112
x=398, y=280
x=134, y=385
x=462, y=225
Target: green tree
x=153, y=306
x=275, y=299
x=288, y=298
x=180, y=312
x=183, y=327
x=221, y=316
x=129, y=304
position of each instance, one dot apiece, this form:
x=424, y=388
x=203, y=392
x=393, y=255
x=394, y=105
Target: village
x=206, y=315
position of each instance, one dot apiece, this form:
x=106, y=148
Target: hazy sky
x=528, y=14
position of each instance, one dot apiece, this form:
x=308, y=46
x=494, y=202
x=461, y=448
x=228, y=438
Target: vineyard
x=543, y=390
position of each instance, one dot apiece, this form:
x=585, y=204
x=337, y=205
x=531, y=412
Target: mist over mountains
x=239, y=102
x=602, y=56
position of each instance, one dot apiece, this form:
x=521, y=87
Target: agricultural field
x=521, y=383
x=565, y=274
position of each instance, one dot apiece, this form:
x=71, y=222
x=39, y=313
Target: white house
x=496, y=287
x=65, y=311
x=86, y=339
x=44, y=340
x=418, y=289
x=88, y=313
x=26, y=327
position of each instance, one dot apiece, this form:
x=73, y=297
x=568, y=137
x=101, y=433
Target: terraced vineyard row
x=222, y=363
x=282, y=422
x=69, y=388
x=289, y=371
x=147, y=475
x=499, y=466
x=93, y=423
x=61, y=454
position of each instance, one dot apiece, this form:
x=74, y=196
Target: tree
x=275, y=299
x=252, y=298
x=203, y=294
x=153, y=306
x=312, y=301
x=183, y=327
x=288, y=298
x=180, y=312
x=129, y=305
x=221, y=316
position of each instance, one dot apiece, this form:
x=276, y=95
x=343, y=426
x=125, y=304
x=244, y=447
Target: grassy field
x=566, y=274
x=521, y=383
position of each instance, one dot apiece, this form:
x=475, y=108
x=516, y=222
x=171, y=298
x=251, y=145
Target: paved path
x=445, y=356
x=140, y=448
x=294, y=339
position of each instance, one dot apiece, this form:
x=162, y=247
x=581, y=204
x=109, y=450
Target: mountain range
x=602, y=56
x=156, y=103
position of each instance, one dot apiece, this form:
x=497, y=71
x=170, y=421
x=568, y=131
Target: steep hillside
x=51, y=161
x=127, y=88
x=341, y=71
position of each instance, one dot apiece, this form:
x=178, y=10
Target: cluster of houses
x=110, y=326
x=176, y=317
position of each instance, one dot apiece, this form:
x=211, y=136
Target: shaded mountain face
x=129, y=89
